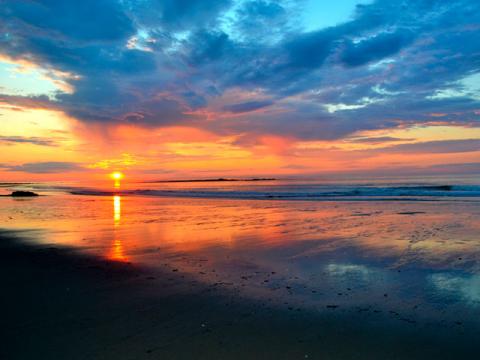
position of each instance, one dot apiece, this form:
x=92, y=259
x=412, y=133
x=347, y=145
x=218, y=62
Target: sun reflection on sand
x=117, y=209
x=117, y=252
x=153, y=227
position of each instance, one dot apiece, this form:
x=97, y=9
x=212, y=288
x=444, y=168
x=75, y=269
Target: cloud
x=50, y=167
x=264, y=21
x=375, y=48
x=466, y=168
x=28, y=140
x=109, y=22
x=247, y=106
x=176, y=15
x=156, y=63
x=413, y=170
x=445, y=146
x=377, y=140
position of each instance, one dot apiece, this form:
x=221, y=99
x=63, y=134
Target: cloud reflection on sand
x=465, y=287
x=359, y=272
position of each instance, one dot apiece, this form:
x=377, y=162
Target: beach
x=154, y=277
x=239, y=180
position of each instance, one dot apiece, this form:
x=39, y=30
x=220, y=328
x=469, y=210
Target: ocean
x=315, y=190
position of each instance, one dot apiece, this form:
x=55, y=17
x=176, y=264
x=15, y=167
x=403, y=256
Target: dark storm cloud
x=156, y=63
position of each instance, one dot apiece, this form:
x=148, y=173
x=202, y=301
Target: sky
x=174, y=89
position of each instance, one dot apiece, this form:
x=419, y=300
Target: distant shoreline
x=208, y=180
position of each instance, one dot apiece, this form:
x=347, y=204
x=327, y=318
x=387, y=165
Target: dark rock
x=23, y=194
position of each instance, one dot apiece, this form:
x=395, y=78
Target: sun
x=117, y=175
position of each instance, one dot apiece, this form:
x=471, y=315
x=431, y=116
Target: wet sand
x=59, y=303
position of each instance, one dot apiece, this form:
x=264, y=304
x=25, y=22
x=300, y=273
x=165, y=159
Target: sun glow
x=117, y=176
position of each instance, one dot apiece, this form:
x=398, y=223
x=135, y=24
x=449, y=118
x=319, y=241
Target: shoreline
x=63, y=304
